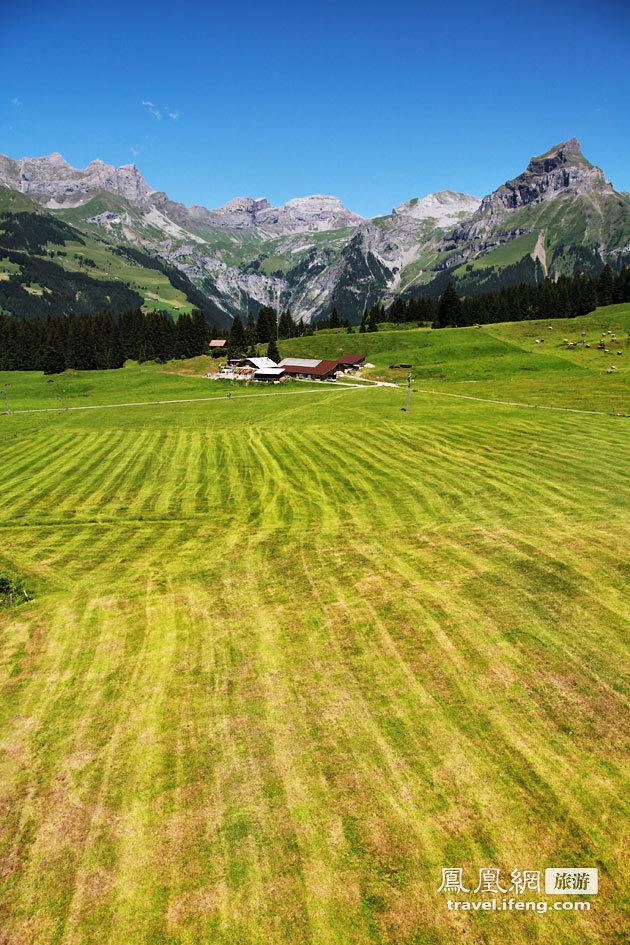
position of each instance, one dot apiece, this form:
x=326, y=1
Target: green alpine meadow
x=295, y=666
x=314, y=473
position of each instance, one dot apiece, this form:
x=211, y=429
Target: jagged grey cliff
x=54, y=183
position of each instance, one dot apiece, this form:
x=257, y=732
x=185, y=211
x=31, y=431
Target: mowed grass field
x=135, y=383
x=289, y=657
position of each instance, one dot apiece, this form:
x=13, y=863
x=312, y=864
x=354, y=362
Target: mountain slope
x=54, y=183
x=560, y=214
x=49, y=267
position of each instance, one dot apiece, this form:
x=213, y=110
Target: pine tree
x=372, y=324
x=334, y=318
x=449, y=312
x=266, y=328
x=397, y=311
x=250, y=332
x=272, y=351
x=236, y=343
x=605, y=286
x=53, y=355
x=286, y=326
x=200, y=332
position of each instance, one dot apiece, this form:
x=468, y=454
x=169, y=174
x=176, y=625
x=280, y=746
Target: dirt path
x=188, y=400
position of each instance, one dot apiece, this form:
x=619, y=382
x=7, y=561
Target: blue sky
x=375, y=103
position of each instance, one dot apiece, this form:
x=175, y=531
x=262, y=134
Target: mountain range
x=311, y=253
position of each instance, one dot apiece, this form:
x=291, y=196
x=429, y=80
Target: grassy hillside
x=291, y=656
x=572, y=231
x=11, y=201
x=502, y=360
x=39, y=243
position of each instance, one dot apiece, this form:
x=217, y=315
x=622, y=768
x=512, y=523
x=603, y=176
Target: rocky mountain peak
x=445, y=208
x=316, y=212
x=55, y=159
x=316, y=203
x=566, y=152
x=54, y=183
x=561, y=170
x=240, y=205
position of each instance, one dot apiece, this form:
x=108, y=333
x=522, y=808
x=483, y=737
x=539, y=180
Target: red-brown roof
x=350, y=358
x=320, y=370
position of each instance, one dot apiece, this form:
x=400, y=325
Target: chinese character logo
x=452, y=880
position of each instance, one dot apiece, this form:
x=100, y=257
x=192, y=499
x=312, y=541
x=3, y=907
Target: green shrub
x=13, y=590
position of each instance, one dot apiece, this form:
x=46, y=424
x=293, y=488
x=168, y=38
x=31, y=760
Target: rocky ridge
x=561, y=170
x=445, y=208
x=312, y=249
x=54, y=183
x=314, y=213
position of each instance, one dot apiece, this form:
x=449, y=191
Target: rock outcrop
x=563, y=169
x=445, y=208
x=302, y=214
x=54, y=183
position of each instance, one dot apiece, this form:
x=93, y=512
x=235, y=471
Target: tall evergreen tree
x=236, y=342
x=605, y=286
x=250, y=332
x=267, y=324
x=397, y=310
x=272, y=351
x=286, y=326
x=449, y=312
x=53, y=359
x=201, y=335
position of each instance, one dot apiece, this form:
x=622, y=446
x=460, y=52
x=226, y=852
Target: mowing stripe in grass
x=342, y=650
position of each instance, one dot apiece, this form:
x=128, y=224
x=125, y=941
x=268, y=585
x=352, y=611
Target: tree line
x=567, y=297
x=99, y=342
x=102, y=341
x=267, y=328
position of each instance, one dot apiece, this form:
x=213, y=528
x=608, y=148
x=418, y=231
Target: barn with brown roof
x=309, y=368
x=351, y=361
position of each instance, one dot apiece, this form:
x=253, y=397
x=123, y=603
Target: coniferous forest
x=98, y=342
x=102, y=341
x=567, y=297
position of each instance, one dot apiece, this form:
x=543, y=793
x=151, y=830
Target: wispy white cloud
x=135, y=151
x=16, y=101
x=153, y=109
x=160, y=111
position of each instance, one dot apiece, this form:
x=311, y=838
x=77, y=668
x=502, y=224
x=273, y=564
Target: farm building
x=264, y=369
x=309, y=368
x=257, y=363
x=351, y=361
x=217, y=343
x=252, y=369
x=269, y=374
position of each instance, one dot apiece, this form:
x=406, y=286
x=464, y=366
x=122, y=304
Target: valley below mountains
x=107, y=225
